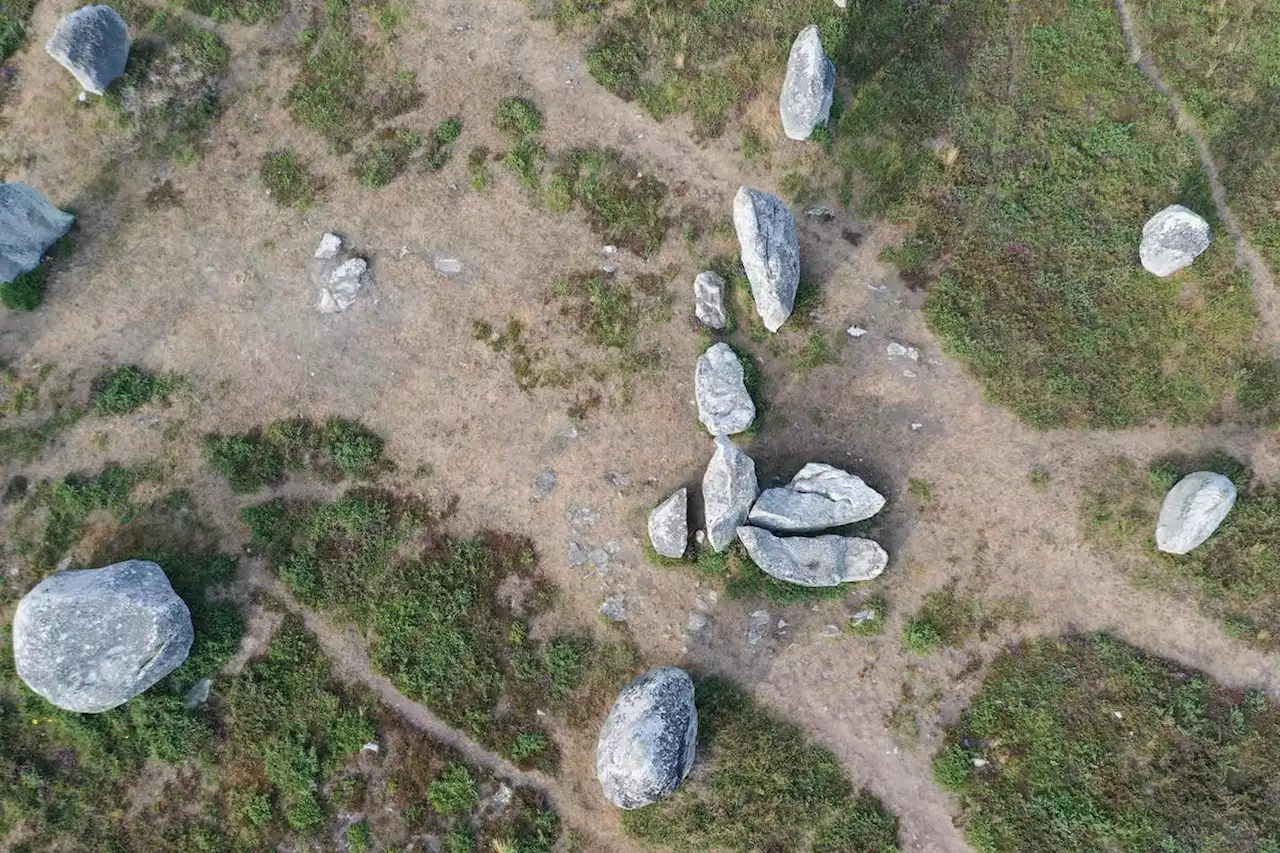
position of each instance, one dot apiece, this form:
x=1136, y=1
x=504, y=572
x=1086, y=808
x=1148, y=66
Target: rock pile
x=339, y=281
x=1192, y=511
x=29, y=225
x=649, y=739
x=93, y=44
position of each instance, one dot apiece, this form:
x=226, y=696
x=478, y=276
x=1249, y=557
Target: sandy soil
x=217, y=290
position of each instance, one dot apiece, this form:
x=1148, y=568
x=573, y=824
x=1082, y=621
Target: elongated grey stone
x=809, y=87
x=720, y=386
x=29, y=225
x=1172, y=239
x=708, y=300
x=93, y=44
x=669, y=525
x=1192, y=511
x=789, y=511
x=770, y=253
x=729, y=488
x=814, y=561
x=649, y=740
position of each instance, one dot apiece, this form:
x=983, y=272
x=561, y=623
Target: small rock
x=613, y=609
x=1172, y=239
x=700, y=536
x=910, y=374
x=344, y=285
x=758, y=627
x=582, y=516
x=770, y=253
x=29, y=225
x=782, y=624
x=830, y=632
x=814, y=561
x=617, y=479
x=649, y=740
x=669, y=525
x=599, y=558
x=719, y=383
x=729, y=488
x=198, y=694
x=695, y=623
x=809, y=87
x=502, y=796
x=825, y=214
x=897, y=350
x=1192, y=510
x=856, y=331
x=93, y=44
x=708, y=300
x=544, y=484
x=447, y=267
x=863, y=616
x=330, y=245
x=916, y=426
x=577, y=554
x=370, y=747
x=980, y=762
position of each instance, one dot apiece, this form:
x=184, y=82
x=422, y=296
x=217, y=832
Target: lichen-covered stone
x=814, y=561
x=1172, y=239
x=669, y=525
x=720, y=387
x=809, y=87
x=29, y=225
x=649, y=740
x=729, y=488
x=93, y=44
x=770, y=253
x=708, y=300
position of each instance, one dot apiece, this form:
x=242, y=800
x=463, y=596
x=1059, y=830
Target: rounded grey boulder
x=720, y=388
x=815, y=561
x=649, y=739
x=92, y=639
x=1172, y=239
x=729, y=488
x=809, y=87
x=1192, y=510
x=29, y=225
x=93, y=44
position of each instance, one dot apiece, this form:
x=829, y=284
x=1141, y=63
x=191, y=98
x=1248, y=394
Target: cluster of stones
x=339, y=277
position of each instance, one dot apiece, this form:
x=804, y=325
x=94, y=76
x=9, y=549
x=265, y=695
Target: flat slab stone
x=814, y=561
x=770, y=253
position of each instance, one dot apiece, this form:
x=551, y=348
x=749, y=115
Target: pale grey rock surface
x=789, y=511
x=814, y=561
x=330, y=245
x=649, y=740
x=708, y=300
x=729, y=488
x=720, y=387
x=1192, y=511
x=809, y=87
x=770, y=253
x=669, y=525
x=821, y=479
x=29, y=225
x=343, y=286
x=93, y=44
x=1172, y=239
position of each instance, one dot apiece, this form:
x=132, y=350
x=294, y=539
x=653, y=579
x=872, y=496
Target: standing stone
x=729, y=488
x=669, y=525
x=814, y=561
x=1172, y=239
x=649, y=739
x=1192, y=510
x=770, y=253
x=92, y=639
x=93, y=44
x=708, y=300
x=29, y=225
x=720, y=386
x=809, y=87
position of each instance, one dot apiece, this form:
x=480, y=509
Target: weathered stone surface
x=29, y=225
x=93, y=44
x=814, y=560
x=343, y=286
x=1172, y=239
x=1192, y=510
x=330, y=245
x=720, y=386
x=821, y=479
x=809, y=86
x=708, y=300
x=669, y=525
x=649, y=739
x=770, y=253
x=789, y=511
x=92, y=639
x=729, y=488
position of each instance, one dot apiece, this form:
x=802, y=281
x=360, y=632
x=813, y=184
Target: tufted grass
x=336, y=449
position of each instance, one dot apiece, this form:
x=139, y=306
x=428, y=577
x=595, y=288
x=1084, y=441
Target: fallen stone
x=831, y=632
x=789, y=511
x=720, y=386
x=91, y=640
x=1172, y=239
x=614, y=609
x=577, y=555
x=729, y=488
x=343, y=286
x=93, y=44
x=669, y=525
x=814, y=561
x=897, y=350
x=708, y=300
x=809, y=87
x=649, y=740
x=758, y=627
x=544, y=484
x=818, y=478
x=29, y=225
x=330, y=245
x=770, y=253
x=1192, y=510
x=448, y=267
x=856, y=331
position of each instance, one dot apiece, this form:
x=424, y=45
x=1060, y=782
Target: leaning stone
x=1192, y=510
x=729, y=488
x=789, y=511
x=770, y=253
x=29, y=225
x=669, y=525
x=708, y=300
x=814, y=561
x=809, y=87
x=649, y=739
x=720, y=386
x=1172, y=239
x=93, y=639
x=821, y=479
x=93, y=44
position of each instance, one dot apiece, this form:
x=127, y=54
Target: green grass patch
x=741, y=802
x=336, y=449
x=1092, y=745
x=868, y=621
x=14, y=17
x=478, y=167
x=386, y=156
x=610, y=313
x=949, y=617
x=128, y=388
x=289, y=180
x=439, y=148
x=240, y=11
x=623, y=204
x=1234, y=576
x=518, y=117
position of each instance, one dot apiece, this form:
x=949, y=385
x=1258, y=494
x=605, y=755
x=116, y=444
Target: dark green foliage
x=526, y=159
x=1092, y=745
x=742, y=802
x=622, y=202
x=478, y=167
x=242, y=11
x=289, y=180
x=128, y=388
x=518, y=118
x=454, y=792
x=338, y=448
x=386, y=157
x=26, y=292
x=440, y=146
x=608, y=312
x=26, y=443
x=247, y=461
x=14, y=16
x=948, y=617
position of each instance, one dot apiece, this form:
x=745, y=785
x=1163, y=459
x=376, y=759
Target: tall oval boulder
x=770, y=253
x=649, y=739
x=1192, y=510
x=809, y=87
x=93, y=44
x=92, y=639
x=29, y=225
x=1172, y=239
x=720, y=388
x=729, y=488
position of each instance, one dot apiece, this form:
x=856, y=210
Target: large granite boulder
x=669, y=525
x=649, y=739
x=93, y=44
x=1172, y=239
x=770, y=253
x=819, y=497
x=729, y=488
x=814, y=560
x=1192, y=510
x=720, y=387
x=92, y=639
x=29, y=225
x=809, y=87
